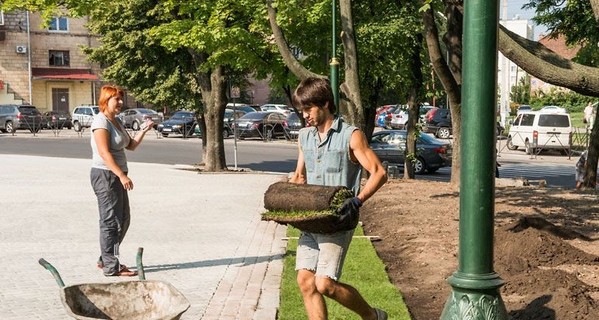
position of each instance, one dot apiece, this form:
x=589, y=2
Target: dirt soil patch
x=545, y=247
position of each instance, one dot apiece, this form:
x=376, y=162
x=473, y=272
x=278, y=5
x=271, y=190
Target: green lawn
x=362, y=269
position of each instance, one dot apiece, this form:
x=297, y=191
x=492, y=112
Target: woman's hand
x=147, y=125
x=126, y=182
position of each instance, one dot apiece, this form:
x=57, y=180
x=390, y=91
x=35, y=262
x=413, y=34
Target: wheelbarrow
x=131, y=300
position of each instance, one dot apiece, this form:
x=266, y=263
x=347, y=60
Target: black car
x=294, y=124
x=263, y=124
x=228, y=119
x=431, y=154
x=181, y=122
x=438, y=122
x=57, y=120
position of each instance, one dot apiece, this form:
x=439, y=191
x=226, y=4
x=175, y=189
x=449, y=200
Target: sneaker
x=380, y=314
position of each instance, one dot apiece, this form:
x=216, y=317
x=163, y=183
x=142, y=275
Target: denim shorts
x=323, y=253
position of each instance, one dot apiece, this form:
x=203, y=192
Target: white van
x=538, y=130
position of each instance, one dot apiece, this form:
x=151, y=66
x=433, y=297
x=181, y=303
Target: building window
x=59, y=24
x=1, y=18
x=59, y=58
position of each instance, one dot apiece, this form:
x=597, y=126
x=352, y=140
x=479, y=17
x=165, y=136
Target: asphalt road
x=277, y=156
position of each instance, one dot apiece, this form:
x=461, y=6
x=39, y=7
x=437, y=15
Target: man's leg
x=316, y=307
x=347, y=296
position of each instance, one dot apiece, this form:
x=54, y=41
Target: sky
x=514, y=8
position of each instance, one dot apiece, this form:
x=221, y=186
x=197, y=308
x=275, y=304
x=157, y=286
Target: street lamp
x=475, y=285
x=334, y=65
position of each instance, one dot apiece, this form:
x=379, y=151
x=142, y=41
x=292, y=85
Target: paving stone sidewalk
x=200, y=232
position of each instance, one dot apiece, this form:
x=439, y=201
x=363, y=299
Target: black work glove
x=349, y=214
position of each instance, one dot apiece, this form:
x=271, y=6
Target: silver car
x=133, y=118
x=13, y=117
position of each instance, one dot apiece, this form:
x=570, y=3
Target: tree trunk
x=449, y=80
x=213, y=88
x=413, y=109
x=590, y=177
x=595, y=7
x=351, y=87
x=410, y=154
x=290, y=61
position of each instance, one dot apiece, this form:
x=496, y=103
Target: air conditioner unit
x=21, y=49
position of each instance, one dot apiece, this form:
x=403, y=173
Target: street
x=276, y=156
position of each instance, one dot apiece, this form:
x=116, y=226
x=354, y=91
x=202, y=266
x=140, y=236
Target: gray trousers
x=113, y=204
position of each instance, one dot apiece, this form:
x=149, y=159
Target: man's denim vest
x=328, y=162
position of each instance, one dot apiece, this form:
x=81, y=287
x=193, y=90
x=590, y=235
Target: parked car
x=83, y=116
x=523, y=108
x=229, y=118
x=431, y=154
x=384, y=117
x=264, y=124
x=382, y=108
x=294, y=124
x=438, y=122
x=537, y=130
x=133, y=118
x=57, y=120
x=423, y=111
x=399, y=118
x=243, y=107
x=14, y=117
x=553, y=109
x=181, y=122
x=282, y=108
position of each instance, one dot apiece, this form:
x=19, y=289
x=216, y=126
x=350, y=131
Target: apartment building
x=508, y=73
x=45, y=66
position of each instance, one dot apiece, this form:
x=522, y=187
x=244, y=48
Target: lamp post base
x=474, y=297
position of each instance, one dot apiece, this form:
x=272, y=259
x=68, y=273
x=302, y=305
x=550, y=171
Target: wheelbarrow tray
x=131, y=300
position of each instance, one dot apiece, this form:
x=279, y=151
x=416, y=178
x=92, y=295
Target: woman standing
x=109, y=178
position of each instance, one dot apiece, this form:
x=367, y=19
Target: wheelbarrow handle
x=140, y=266
x=52, y=270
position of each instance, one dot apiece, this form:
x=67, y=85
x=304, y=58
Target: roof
x=64, y=74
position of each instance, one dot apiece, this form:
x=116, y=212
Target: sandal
x=125, y=272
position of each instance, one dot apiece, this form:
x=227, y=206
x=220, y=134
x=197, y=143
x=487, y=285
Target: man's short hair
x=314, y=91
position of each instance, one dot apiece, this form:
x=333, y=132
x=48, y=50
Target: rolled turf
x=307, y=207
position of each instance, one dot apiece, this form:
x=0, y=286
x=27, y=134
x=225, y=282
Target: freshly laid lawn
x=362, y=269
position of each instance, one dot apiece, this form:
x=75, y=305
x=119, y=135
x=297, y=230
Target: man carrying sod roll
x=331, y=153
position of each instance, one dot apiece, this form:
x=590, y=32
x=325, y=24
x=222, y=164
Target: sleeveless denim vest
x=328, y=162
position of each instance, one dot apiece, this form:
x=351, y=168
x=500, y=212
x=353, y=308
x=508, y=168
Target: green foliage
x=521, y=92
x=387, y=37
x=135, y=59
x=572, y=101
x=363, y=270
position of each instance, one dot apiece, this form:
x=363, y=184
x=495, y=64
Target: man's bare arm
x=370, y=162
x=299, y=176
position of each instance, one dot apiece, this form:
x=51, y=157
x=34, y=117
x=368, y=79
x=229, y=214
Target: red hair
x=107, y=92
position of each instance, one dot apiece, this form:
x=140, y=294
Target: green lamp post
x=334, y=65
x=475, y=285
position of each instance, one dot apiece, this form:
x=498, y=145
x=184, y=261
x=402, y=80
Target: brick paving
x=200, y=232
